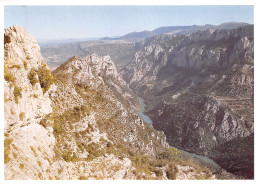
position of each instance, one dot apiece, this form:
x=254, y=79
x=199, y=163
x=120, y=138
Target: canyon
x=199, y=91
x=156, y=108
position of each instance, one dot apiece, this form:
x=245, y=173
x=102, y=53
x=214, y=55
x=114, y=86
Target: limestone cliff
x=199, y=90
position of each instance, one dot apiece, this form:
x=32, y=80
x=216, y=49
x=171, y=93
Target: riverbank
x=201, y=160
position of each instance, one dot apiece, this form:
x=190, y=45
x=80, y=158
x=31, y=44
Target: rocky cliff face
x=199, y=90
x=28, y=85
x=209, y=48
x=79, y=123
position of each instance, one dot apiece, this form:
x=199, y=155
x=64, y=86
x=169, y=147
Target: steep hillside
x=79, y=123
x=199, y=90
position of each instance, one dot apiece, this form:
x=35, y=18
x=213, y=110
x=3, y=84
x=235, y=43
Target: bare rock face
x=22, y=98
x=27, y=88
x=91, y=70
x=209, y=48
x=199, y=91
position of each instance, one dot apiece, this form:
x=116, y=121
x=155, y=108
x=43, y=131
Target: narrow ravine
x=193, y=155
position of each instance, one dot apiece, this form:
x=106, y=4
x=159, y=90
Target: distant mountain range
x=183, y=30
x=43, y=42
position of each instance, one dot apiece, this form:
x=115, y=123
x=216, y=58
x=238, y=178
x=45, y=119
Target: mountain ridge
x=183, y=30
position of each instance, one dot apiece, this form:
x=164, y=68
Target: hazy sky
x=63, y=22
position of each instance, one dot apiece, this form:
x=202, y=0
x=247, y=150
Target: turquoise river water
x=148, y=120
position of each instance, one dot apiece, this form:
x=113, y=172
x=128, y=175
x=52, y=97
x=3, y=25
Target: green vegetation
x=40, y=175
x=46, y=78
x=7, y=74
x=171, y=154
x=39, y=163
x=94, y=151
x=14, y=155
x=73, y=115
x=83, y=178
x=16, y=66
x=62, y=123
x=171, y=171
x=167, y=159
x=17, y=93
x=69, y=157
x=21, y=116
x=21, y=166
x=25, y=65
x=7, y=143
x=34, y=152
x=32, y=77
x=93, y=100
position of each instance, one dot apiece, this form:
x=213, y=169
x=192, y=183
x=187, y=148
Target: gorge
x=172, y=106
x=199, y=91
x=192, y=155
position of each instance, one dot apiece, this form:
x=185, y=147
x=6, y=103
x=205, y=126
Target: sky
x=71, y=22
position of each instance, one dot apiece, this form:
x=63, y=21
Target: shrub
x=25, y=65
x=158, y=172
x=16, y=66
x=34, y=152
x=69, y=157
x=21, y=116
x=109, y=144
x=57, y=128
x=32, y=77
x=12, y=112
x=45, y=77
x=39, y=163
x=14, y=155
x=40, y=175
x=7, y=75
x=17, y=93
x=7, y=143
x=60, y=171
x=171, y=154
x=83, y=178
x=21, y=166
x=43, y=122
x=171, y=175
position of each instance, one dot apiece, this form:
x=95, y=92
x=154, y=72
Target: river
x=141, y=111
x=194, y=156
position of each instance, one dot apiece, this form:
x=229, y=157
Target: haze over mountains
x=121, y=48
x=184, y=30
x=82, y=120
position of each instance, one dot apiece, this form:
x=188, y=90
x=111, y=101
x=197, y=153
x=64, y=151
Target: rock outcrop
x=28, y=84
